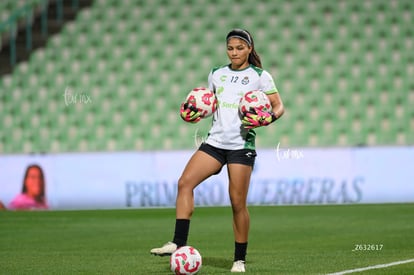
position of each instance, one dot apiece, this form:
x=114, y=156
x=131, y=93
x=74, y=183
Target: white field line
x=371, y=267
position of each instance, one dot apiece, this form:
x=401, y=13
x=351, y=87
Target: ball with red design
x=204, y=100
x=254, y=99
x=185, y=260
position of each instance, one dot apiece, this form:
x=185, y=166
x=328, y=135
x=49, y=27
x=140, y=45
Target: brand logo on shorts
x=249, y=154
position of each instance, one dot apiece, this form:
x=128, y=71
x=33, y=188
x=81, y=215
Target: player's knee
x=184, y=184
x=238, y=204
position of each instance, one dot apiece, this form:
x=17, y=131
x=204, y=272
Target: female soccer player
x=230, y=141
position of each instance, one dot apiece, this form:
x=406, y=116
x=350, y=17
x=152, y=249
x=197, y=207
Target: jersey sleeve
x=210, y=81
x=267, y=85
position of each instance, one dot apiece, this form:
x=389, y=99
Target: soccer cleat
x=238, y=266
x=166, y=250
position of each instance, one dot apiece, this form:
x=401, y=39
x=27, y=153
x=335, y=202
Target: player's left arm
x=257, y=117
x=277, y=104
x=269, y=87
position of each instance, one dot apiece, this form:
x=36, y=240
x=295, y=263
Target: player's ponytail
x=254, y=58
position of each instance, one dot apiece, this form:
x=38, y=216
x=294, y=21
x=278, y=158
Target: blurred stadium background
x=345, y=70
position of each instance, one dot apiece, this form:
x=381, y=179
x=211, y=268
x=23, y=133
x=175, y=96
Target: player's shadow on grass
x=217, y=262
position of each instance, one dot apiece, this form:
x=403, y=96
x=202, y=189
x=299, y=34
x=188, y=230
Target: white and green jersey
x=227, y=131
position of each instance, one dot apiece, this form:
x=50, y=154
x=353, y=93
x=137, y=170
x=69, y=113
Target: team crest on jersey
x=245, y=80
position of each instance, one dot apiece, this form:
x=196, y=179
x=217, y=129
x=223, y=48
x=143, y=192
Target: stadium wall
x=282, y=176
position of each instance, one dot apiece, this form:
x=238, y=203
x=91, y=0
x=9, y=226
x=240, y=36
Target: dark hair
x=41, y=196
x=244, y=35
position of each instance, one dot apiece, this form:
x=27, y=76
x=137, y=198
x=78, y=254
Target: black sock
x=240, y=251
x=182, y=226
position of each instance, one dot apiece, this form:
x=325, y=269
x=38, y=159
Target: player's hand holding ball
x=256, y=118
x=255, y=110
x=189, y=113
x=199, y=103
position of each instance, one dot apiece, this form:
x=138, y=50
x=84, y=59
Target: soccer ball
x=204, y=100
x=186, y=260
x=254, y=99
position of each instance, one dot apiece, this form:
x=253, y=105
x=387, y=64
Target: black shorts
x=242, y=156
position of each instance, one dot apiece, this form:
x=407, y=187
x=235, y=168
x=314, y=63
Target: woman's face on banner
x=34, y=182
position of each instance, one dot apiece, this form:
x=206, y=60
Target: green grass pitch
x=283, y=240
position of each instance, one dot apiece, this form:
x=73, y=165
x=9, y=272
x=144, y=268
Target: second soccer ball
x=254, y=99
